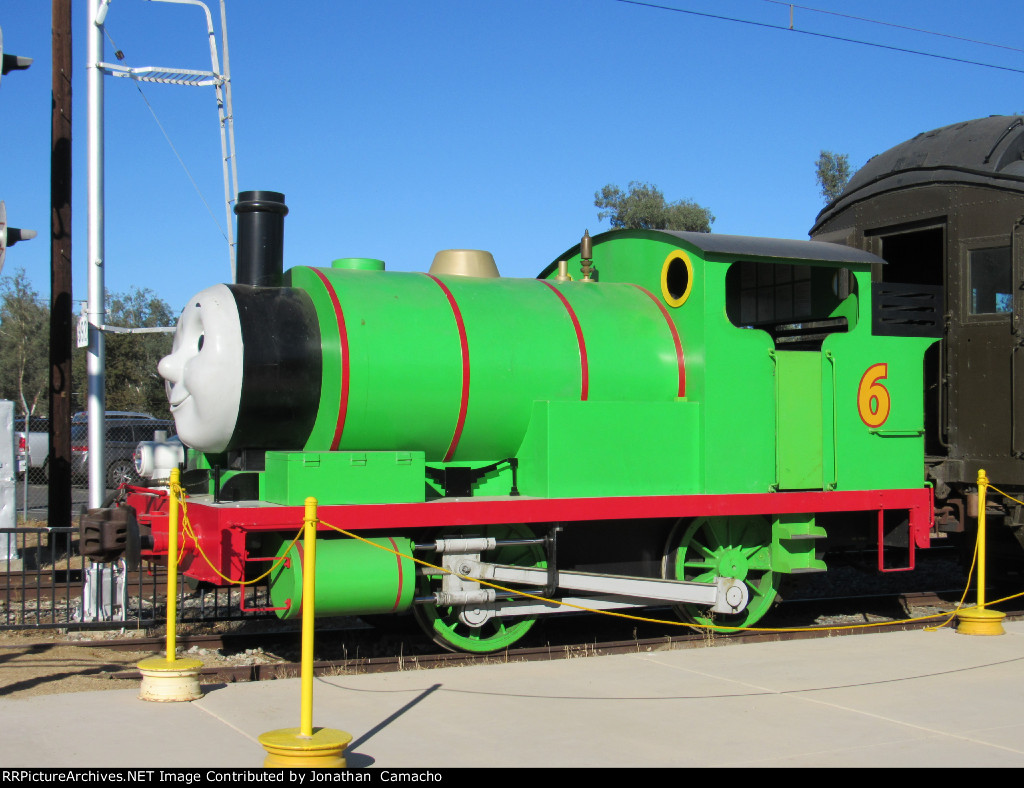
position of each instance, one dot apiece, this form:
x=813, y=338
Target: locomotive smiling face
x=204, y=370
x=244, y=369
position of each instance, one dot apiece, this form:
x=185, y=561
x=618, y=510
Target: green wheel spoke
x=713, y=539
x=734, y=546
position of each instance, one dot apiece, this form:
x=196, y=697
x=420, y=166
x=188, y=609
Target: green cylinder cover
x=451, y=365
x=352, y=578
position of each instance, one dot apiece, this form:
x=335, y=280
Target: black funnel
x=260, y=255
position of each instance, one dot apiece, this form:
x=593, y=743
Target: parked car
x=82, y=416
x=124, y=431
x=33, y=447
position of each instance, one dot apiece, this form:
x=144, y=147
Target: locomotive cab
x=776, y=334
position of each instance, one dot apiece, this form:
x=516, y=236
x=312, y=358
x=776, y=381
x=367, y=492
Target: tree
x=833, y=172
x=24, y=343
x=643, y=207
x=132, y=380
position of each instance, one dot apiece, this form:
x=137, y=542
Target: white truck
x=32, y=447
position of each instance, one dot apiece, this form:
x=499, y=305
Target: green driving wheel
x=443, y=625
x=734, y=546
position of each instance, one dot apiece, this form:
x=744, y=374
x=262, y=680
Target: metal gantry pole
x=229, y=154
x=221, y=81
x=97, y=287
x=96, y=309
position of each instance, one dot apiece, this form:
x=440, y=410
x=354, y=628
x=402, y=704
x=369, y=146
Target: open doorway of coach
x=918, y=256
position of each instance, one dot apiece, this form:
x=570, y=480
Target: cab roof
x=716, y=246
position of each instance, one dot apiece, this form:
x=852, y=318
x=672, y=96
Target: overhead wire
x=119, y=54
x=893, y=24
x=828, y=36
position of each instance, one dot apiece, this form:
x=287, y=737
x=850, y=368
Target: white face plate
x=204, y=370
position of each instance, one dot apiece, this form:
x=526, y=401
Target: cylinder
x=260, y=254
x=353, y=578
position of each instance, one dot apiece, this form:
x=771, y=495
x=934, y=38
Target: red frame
x=221, y=528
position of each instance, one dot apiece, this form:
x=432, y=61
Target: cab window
x=798, y=305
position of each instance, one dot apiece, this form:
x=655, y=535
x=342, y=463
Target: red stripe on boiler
x=464, y=344
x=675, y=339
x=584, y=366
x=398, y=558
x=343, y=339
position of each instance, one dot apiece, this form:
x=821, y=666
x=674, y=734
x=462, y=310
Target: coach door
x=917, y=256
x=986, y=353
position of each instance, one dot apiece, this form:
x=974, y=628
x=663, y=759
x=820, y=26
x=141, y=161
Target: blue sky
x=399, y=128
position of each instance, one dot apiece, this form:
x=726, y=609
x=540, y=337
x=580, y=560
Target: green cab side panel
x=867, y=378
x=737, y=375
x=799, y=420
x=729, y=370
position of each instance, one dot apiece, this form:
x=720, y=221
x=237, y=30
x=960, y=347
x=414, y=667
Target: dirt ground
x=35, y=663
x=44, y=664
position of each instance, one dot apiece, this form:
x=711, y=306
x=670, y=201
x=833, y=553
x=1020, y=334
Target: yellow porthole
x=676, y=278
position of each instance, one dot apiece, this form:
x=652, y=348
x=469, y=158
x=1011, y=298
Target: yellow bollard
x=308, y=617
x=171, y=679
x=306, y=746
x=979, y=620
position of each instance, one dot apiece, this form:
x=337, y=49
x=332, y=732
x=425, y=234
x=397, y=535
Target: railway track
x=885, y=613
x=61, y=584
x=265, y=648
x=54, y=598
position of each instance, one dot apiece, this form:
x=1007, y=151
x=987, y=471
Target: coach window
x=991, y=280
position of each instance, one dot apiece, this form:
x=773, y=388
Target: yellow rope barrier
x=1015, y=500
x=950, y=615
x=519, y=592
x=1005, y=495
x=967, y=589
x=186, y=524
